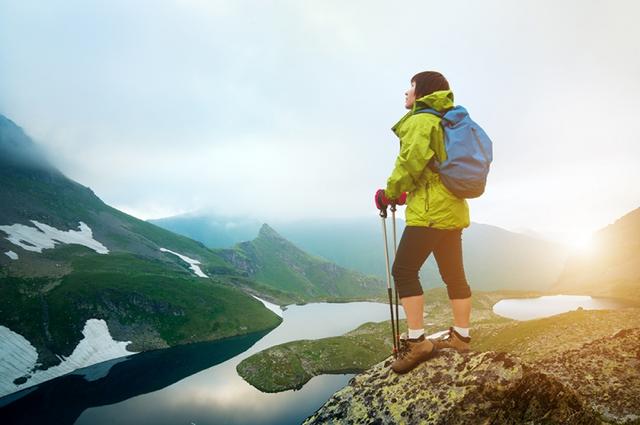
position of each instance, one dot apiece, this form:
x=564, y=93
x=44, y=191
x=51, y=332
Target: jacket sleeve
x=412, y=159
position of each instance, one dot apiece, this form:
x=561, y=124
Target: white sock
x=415, y=333
x=462, y=331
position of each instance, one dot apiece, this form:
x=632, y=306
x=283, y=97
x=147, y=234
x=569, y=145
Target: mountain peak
x=18, y=149
x=267, y=231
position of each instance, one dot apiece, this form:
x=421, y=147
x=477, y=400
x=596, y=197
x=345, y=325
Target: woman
x=434, y=221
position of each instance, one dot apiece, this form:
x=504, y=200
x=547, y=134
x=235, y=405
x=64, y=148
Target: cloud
x=284, y=106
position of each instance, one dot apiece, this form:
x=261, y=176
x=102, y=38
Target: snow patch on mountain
x=18, y=357
x=12, y=255
x=192, y=263
x=45, y=237
x=271, y=306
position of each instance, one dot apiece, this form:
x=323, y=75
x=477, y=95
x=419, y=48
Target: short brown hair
x=429, y=81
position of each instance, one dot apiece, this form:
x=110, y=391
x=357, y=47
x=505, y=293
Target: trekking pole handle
x=383, y=212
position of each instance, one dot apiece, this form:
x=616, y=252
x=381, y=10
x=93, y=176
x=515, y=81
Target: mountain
x=81, y=282
x=612, y=267
x=494, y=258
x=273, y=261
x=213, y=231
x=498, y=259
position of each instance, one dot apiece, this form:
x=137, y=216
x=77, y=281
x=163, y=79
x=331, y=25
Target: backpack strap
x=429, y=111
x=433, y=163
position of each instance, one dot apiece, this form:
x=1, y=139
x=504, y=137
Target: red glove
x=382, y=201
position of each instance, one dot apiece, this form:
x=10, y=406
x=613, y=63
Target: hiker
x=434, y=219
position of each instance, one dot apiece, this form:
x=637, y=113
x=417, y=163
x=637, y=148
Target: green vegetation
x=292, y=364
x=140, y=299
x=276, y=263
x=146, y=296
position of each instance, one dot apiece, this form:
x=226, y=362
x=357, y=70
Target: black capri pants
x=415, y=246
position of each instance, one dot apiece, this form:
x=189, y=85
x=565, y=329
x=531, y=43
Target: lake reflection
x=165, y=392
x=534, y=308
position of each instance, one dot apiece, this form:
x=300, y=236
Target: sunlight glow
x=583, y=244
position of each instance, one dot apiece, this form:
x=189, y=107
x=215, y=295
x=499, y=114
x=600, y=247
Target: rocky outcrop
x=243, y=260
x=605, y=373
x=597, y=383
x=267, y=232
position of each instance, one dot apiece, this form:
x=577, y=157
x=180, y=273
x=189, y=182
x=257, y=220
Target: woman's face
x=410, y=96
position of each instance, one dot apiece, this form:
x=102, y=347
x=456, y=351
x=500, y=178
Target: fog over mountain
x=283, y=110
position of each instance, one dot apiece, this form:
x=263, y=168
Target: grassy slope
x=292, y=364
x=274, y=273
x=153, y=297
x=53, y=199
x=134, y=292
x=172, y=241
x=147, y=296
x=277, y=263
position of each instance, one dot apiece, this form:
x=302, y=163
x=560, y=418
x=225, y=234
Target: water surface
x=198, y=384
x=194, y=383
x=549, y=305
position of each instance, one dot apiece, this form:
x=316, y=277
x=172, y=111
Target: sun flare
x=583, y=244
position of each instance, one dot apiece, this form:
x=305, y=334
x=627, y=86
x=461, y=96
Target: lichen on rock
x=453, y=388
x=605, y=373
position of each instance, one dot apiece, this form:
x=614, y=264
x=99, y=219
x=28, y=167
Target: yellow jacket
x=429, y=202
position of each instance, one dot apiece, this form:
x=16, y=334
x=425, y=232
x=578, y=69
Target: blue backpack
x=469, y=153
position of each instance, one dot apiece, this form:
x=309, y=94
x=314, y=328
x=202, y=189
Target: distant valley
x=494, y=258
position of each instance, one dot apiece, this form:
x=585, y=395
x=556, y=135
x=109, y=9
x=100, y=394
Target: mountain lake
x=198, y=384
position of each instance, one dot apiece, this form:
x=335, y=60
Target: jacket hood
x=440, y=100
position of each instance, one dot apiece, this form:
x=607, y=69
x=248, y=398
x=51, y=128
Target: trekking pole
x=395, y=252
x=383, y=214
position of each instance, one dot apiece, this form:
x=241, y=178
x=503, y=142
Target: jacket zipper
x=430, y=222
x=426, y=196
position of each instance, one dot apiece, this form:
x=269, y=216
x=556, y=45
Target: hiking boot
x=411, y=353
x=452, y=339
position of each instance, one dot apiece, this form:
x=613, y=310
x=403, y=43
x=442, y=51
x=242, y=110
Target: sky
x=283, y=109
